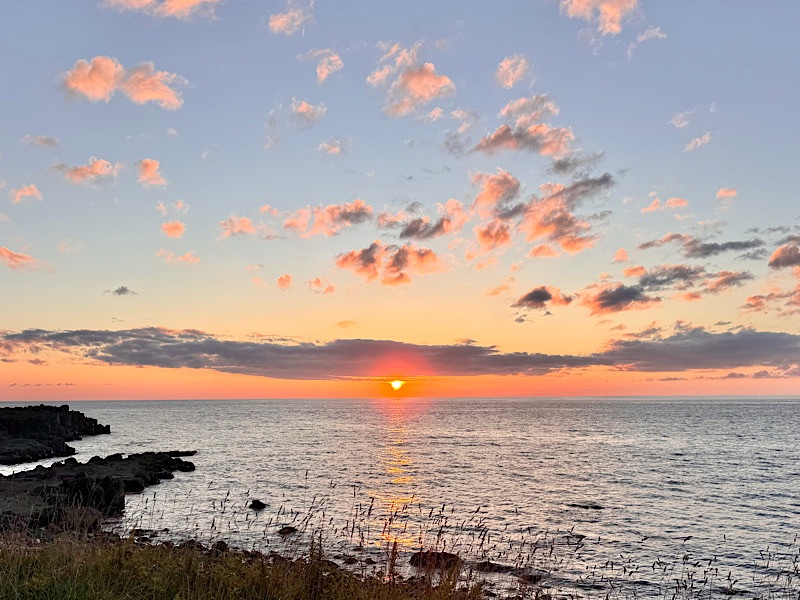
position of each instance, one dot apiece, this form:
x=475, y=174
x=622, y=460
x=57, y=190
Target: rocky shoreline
x=31, y=433
x=68, y=494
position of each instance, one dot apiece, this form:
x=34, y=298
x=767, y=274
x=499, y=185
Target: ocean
x=641, y=494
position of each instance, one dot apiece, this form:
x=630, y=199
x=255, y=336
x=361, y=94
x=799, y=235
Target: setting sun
x=397, y=384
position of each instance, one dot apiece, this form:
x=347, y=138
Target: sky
x=241, y=199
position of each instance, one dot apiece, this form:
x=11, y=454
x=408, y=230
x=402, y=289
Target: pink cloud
x=289, y=22
x=542, y=296
x=608, y=13
x=329, y=63
x=494, y=234
x=543, y=251
x=327, y=220
x=451, y=220
x=144, y=84
x=173, y=229
x=698, y=142
x=496, y=190
x=726, y=193
x=17, y=261
x=320, y=285
x=787, y=255
x=26, y=191
x=636, y=271
x=103, y=76
x=654, y=206
x=234, y=225
x=677, y=203
x=510, y=70
x=306, y=113
x=179, y=9
x=284, y=282
x=190, y=258
x=333, y=147
x=621, y=255
x=97, y=80
x=41, y=141
x=417, y=86
x=525, y=129
x=149, y=173
x=393, y=265
x=551, y=218
x=97, y=170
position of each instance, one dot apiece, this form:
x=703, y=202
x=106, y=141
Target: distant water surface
x=638, y=480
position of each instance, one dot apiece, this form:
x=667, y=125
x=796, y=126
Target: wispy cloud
x=510, y=70
x=18, y=261
x=327, y=220
x=179, y=9
x=97, y=170
x=42, y=141
x=290, y=21
x=19, y=195
x=328, y=62
x=392, y=265
x=189, y=258
x=607, y=14
x=698, y=142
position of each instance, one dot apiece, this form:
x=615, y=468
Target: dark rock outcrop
x=434, y=560
x=257, y=505
x=31, y=433
x=46, y=495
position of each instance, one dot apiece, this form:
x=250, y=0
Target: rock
x=31, y=433
x=257, y=504
x=434, y=560
x=488, y=566
x=587, y=506
x=350, y=560
x=39, y=497
x=218, y=547
x=287, y=530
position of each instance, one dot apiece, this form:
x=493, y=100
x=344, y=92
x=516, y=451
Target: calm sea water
x=639, y=490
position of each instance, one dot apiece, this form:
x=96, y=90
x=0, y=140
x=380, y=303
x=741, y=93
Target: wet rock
x=586, y=506
x=488, y=566
x=434, y=560
x=287, y=530
x=218, y=547
x=257, y=504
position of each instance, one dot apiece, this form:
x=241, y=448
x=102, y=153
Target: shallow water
x=644, y=480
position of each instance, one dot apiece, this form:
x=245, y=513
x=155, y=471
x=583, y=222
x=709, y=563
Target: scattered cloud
x=726, y=193
x=150, y=173
x=329, y=62
x=288, y=22
x=96, y=171
x=233, y=226
x=539, y=298
x=284, y=282
x=334, y=147
x=179, y=9
x=510, y=70
x=693, y=247
x=452, y=218
x=787, y=255
x=654, y=33
x=305, y=113
x=346, y=324
x=320, y=285
x=42, y=141
x=99, y=79
x=621, y=255
x=189, y=258
x=525, y=129
x=698, y=142
x=18, y=261
x=681, y=119
x=26, y=191
x=122, y=290
x=496, y=193
x=327, y=220
x=173, y=229
x=392, y=265
x=607, y=14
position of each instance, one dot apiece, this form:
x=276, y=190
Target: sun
x=397, y=384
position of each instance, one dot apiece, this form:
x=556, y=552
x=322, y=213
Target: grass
x=73, y=568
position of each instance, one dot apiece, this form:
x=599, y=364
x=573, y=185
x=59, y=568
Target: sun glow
x=397, y=384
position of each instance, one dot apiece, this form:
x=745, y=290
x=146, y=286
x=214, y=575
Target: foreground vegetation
x=72, y=568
